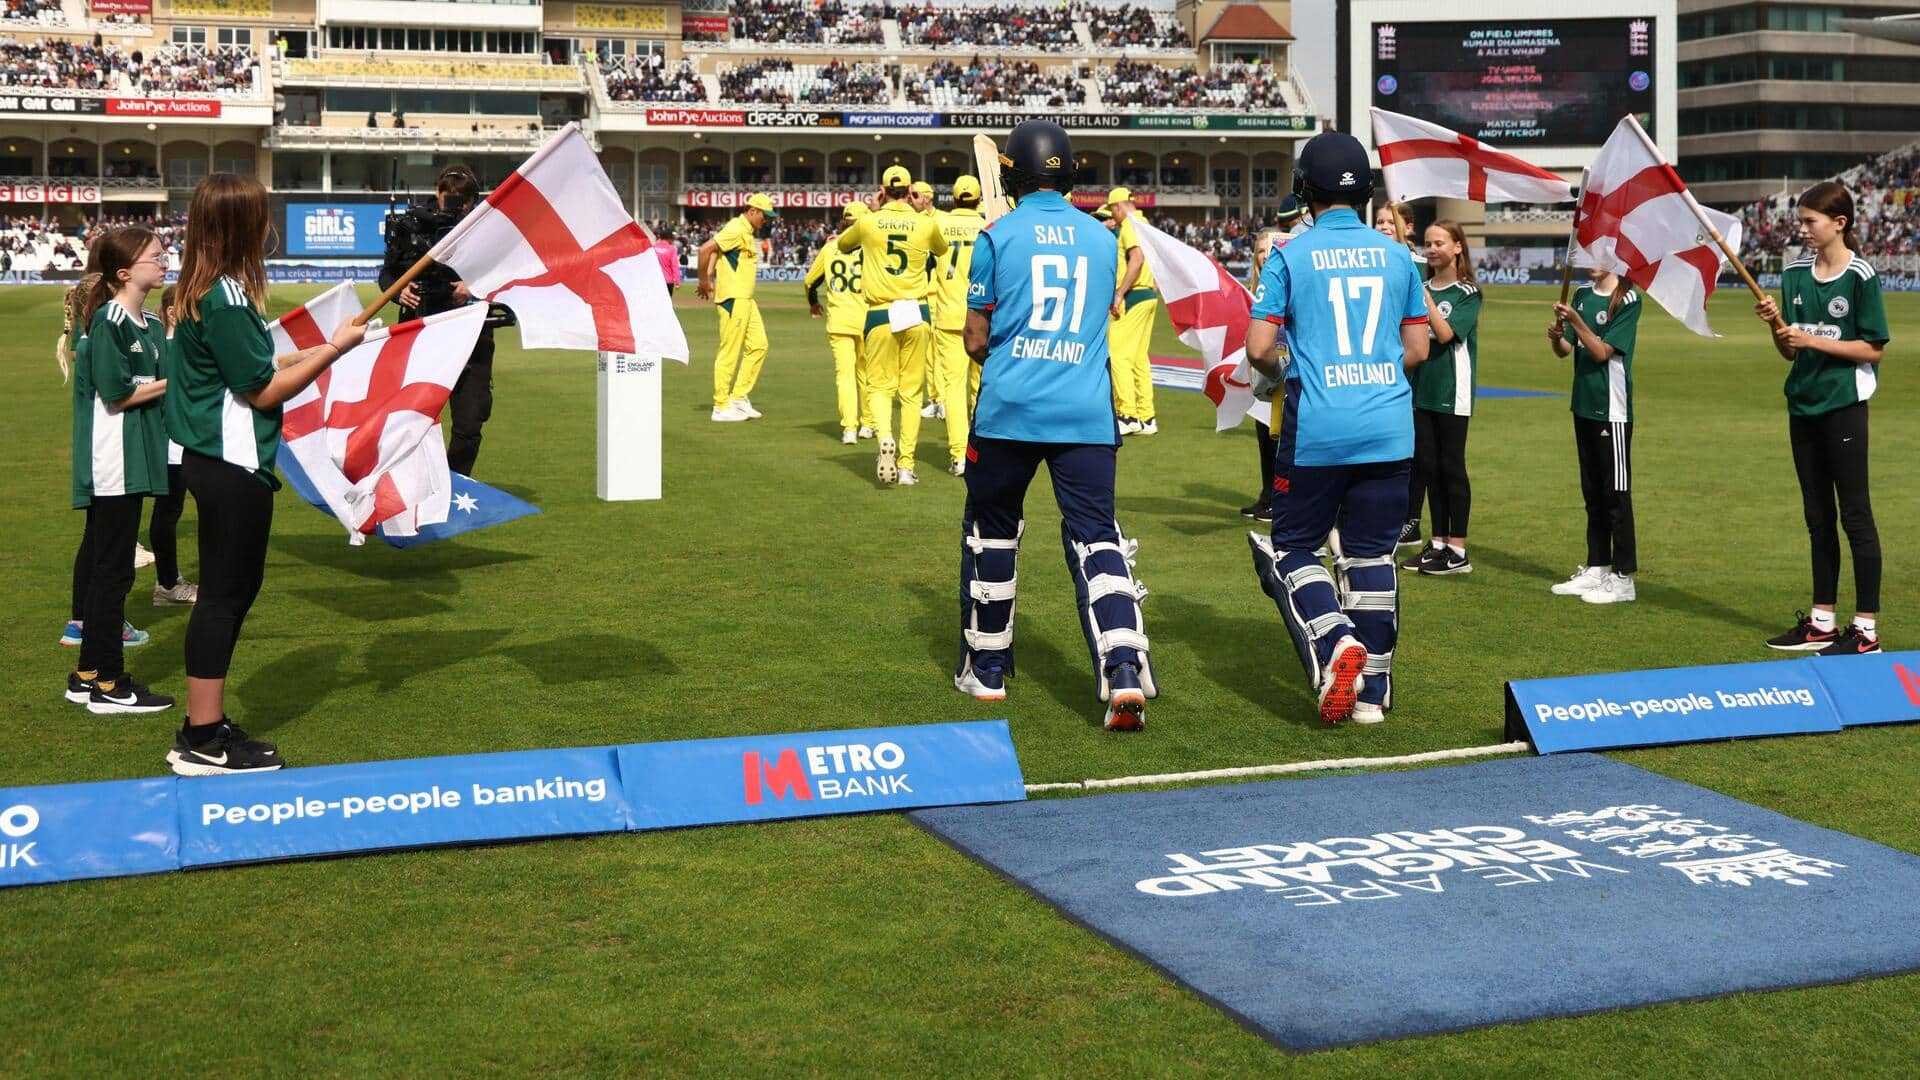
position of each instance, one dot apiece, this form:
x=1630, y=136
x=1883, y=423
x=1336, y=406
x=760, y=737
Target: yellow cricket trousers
x=1128, y=340
x=743, y=348
x=849, y=380
x=896, y=367
x=953, y=364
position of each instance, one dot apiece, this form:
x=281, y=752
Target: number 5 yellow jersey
x=895, y=243
x=838, y=274
x=961, y=226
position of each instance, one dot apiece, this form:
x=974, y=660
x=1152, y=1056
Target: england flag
x=1210, y=310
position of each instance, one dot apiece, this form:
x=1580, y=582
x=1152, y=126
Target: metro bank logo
x=836, y=771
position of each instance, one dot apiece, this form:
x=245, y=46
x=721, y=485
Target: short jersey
x=1604, y=391
x=1129, y=243
x=1042, y=273
x=1847, y=308
x=1445, y=383
x=215, y=360
x=837, y=273
x=738, y=264
x=897, y=243
x=961, y=227
x=1340, y=293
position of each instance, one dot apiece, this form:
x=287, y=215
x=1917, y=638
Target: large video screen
x=1551, y=82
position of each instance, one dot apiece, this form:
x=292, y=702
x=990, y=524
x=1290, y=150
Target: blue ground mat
x=1323, y=913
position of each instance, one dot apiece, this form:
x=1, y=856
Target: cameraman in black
x=410, y=235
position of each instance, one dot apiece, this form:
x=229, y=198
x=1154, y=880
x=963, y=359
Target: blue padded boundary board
x=1323, y=913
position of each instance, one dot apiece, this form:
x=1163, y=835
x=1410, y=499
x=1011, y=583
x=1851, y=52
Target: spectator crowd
x=1132, y=84
x=978, y=82
x=782, y=82
x=649, y=78
x=1886, y=193
x=990, y=27
x=56, y=64
x=41, y=12
x=1129, y=27
x=802, y=22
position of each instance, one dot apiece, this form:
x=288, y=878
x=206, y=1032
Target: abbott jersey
x=1340, y=293
x=1129, y=241
x=1044, y=274
x=896, y=243
x=1604, y=391
x=739, y=261
x=838, y=273
x=961, y=227
x=1847, y=308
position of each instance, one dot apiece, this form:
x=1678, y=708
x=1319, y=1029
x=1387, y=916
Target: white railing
x=292, y=133
x=1508, y=215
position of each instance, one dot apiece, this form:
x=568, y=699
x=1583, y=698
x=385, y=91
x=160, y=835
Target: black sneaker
x=1420, y=560
x=1804, y=637
x=1409, y=534
x=79, y=690
x=230, y=750
x=125, y=696
x=1445, y=561
x=1852, y=642
x=1260, y=508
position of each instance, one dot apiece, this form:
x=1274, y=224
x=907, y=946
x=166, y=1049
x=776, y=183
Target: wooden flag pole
x=1700, y=216
x=394, y=290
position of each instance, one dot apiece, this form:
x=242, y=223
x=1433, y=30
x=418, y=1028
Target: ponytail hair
x=1463, y=262
x=1835, y=201
x=69, y=317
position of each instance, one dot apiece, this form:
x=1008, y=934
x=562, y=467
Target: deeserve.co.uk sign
x=1728, y=701
x=72, y=831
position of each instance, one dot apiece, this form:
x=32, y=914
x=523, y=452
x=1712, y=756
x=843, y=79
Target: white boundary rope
x=1290, y=767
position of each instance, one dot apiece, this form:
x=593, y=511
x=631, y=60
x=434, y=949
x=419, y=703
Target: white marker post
x=629, y=425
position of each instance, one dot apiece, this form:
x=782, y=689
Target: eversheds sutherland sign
x=988, y=119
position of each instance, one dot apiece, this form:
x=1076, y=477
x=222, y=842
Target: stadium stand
x=651, y=79
x=1127, y=27
x=33, y=13
x=51, y=63
x=802, y=22
x=944, y=84
x=1132, y=84
x=1886, y=194
x=1037, y=28
x=783, y=82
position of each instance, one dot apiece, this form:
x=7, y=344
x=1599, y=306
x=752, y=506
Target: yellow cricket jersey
x=961, y=228
x=739, y=261
x=1128, y=241
x=895, y=242
x=837, y=274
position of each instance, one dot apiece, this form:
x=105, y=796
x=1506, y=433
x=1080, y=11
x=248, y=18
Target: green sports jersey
x=1848, y=308
x=1444, y=384
x=215, y=359
x=1604, y=390
x=117, y=452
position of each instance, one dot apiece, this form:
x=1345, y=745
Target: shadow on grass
x=1038, y=662
x=374, y=603
x=430, y=563
x=1654, y=594
x=1210, y=500
x=1247, y=655
x=590, y=658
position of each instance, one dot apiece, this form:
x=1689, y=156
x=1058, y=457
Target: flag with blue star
x=472, y=505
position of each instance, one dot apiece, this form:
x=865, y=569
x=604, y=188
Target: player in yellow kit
x=920, y=195
x=895, y=243
x=959, y=377
x=1131, y=331
x=733, y=255
x=838, y=273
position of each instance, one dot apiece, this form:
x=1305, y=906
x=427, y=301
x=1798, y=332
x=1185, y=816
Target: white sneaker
x=849, y=437
x=958, y=468
x=1584, y=580
x=908, y=478
x=1367, y=712
x=1129, y=426
x=1149, y=427
x=929, y=411
x=1617, y=589
x=729, y=415
x=745, y=406
x=940, y=410
x=183, y=593
x=865, y=432
x=887, y=468
x=141, y=556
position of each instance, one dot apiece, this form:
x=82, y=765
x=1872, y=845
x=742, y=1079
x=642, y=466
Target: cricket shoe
x=982, y=684
x=230, y=750
x=887, y=467
x=1129, y=426
x=1852, y=642
x=183, y=594
x=1126, y=701
x=124, y=695
x=865, y=432
x=1149, y=427
x=1617, y=589
x=1584, y=580
x=1366, y=710
x=930, y=410
x=1804, y=637
x=727, y=414
x=908, y=478
x=745, y=405
x=958, y=468
x=849, y=437
x=1341, y=683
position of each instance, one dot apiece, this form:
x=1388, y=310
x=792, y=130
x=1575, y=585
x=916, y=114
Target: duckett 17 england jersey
x=1045, y=275
x=1340, y=293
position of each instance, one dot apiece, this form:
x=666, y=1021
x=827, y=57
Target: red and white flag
x=1210, y=311
x=1637, y=219
x=554, y=244
x=367, y=432
x=1422, y=159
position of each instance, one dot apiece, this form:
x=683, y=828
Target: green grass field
x=776, y=588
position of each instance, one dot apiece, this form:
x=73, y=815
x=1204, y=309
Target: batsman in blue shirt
x=1042, y=283
x=1355, y=318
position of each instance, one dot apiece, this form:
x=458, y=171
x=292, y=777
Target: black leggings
x=1606, y=484
x=1440, y=471
x=113, y=527
x=236, y=514
x=1830, y=456
x=1269, y=446
x=162, y=531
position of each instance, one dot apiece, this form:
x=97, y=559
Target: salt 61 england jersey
x=1045, y=275
x=1340, y=293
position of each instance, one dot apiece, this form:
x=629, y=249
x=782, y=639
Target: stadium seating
x=1129, y=28
x=651, y=79
x=1886, y=194
x=1130, y=84
x=32, y=13
x=802, y=22
x=167, y=69
x=945, y=84
x=1038, y=28
x=783, y=82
